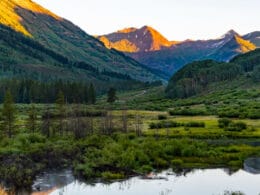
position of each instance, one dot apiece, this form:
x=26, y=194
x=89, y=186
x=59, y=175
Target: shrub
x=160, y=163
x=253, y=114
x=112, y=176
x=187, y=112
x=176, y=163
x=238, y=126
x=224, y=122
x=146, y=169
x=229, y=113
x=162, y=117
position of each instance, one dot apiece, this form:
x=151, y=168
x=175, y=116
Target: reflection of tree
x=229, y=171
x=252, y=165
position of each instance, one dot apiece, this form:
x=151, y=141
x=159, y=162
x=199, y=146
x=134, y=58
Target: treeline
x=198, y=76
x=28, y=91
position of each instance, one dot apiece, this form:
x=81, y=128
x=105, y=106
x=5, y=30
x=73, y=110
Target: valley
x=84, y=114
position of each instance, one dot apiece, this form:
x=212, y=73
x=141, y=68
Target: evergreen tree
x=46, y=122
x=32, y=119
x=111, y=95
x=61, y=110
x=91, y=94
x=8, y=114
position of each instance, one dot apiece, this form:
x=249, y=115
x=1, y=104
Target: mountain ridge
x=143, y=39
x=170, y=57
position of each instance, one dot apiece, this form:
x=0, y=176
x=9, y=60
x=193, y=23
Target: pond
x=201, y=182
x=195, y=182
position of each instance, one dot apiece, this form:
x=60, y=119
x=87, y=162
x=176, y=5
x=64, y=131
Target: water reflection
x=201, y=182
x=252, y=165
x=52, y=180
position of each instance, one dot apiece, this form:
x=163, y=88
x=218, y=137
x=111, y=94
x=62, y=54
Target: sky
x=175, y=19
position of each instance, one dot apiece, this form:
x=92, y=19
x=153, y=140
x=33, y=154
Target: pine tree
x=8, y=114
x=91, y=94
x=32, y=119
x=111, y=95
x=46, y=122
x=60, y=102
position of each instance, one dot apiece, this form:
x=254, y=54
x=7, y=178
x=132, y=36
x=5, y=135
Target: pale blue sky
x=176, y=19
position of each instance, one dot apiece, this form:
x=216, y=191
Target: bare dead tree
x=103, y=123
x=138, y=123
x=124, y=120
x=110, y=123
x=167, y=130
x=156, y=132
x=91, y=125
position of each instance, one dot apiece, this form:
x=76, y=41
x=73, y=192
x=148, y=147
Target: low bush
x=171, y=124
x=224, y=122
x=230, y=125
x=236, y=126
x=231, y=113
x=188, y=112
x=162, y=117
x=176, y=163
x=112, y=176
x=253, y=114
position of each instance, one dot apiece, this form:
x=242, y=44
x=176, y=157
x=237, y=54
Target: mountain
x=35, y=41
x=169, y=56
x=134, y=40
x=202, y=77
x=254, y=37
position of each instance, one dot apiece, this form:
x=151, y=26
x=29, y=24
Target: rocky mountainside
x=133, y=40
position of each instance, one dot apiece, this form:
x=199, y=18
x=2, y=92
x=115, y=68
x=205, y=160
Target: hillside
x=155, y=51
x=55, y=46
x=208, y=76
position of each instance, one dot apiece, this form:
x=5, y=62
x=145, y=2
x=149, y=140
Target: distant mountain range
x=149, y=47
x=35, y=43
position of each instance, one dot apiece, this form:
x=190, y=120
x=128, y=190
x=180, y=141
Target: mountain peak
x=230, y=34
x=127, y=30
x=149, y=28
x=10, y=17
x=134, y=40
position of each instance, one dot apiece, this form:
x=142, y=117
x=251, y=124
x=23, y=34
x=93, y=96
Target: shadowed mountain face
x=31, y=22
x=149, y=47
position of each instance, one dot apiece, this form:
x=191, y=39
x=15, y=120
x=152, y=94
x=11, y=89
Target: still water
x=196, y=182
